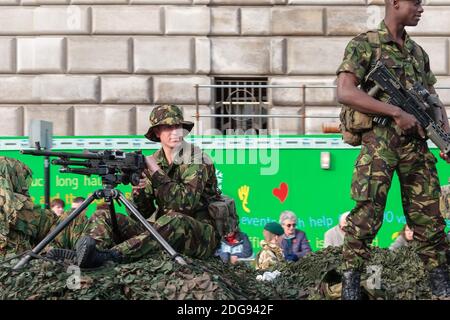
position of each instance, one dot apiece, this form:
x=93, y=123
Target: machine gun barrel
x=85, y=171
x=65, y=155
x=64, y=162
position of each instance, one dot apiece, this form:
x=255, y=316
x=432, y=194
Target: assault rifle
x=114, y=167
x=415, y=100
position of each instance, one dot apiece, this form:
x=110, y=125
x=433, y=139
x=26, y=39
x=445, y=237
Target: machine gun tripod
x=114, y=167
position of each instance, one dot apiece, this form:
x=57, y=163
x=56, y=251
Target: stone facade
x=98, y=67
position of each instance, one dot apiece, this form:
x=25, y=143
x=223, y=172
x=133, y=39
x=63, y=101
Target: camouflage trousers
x=27, y=229
x=185, y=234
x=15, y=243
x=384, y=152
x=68, y=237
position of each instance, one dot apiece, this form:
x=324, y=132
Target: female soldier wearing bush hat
x=181, y=180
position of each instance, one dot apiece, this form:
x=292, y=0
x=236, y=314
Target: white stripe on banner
x=219, y=142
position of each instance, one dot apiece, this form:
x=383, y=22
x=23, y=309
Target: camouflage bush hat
x=168, y=115
x=15, y=180
x=15, y=174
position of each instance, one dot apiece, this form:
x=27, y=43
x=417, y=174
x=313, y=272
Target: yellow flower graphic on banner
x=243, y=196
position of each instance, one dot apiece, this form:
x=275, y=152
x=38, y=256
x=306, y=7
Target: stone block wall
x=98, y=67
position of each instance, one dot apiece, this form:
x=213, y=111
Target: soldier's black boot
x=88, y=256
x=440, y=282
x=351, y=285
x=62, y=255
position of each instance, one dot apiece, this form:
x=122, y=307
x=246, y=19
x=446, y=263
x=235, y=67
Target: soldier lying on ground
x=22, y=223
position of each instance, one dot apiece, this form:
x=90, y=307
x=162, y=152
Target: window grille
x=237, y=99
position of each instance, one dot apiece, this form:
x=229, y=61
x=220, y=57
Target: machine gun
x=415, y=100
x=114, y=167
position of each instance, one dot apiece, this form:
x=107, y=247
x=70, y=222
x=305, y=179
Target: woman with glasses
x=294, y=243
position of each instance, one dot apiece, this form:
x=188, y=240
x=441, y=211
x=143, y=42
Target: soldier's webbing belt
x=374, y=41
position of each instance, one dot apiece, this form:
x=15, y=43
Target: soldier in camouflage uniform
x=397, y=147
x=62, y=247
x=180, y=180
x=70, y=235
x=22, y=224
x=271, y=254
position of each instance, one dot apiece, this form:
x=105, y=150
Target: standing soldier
x=399, y=147
x=22, y=224
x=181, y=180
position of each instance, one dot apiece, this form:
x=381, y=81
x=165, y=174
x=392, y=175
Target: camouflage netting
x=157, y=277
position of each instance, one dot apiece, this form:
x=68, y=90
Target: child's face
x=58, y=210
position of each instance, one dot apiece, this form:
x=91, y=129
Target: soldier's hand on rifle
x=444, y=122
x=152, y=166
x=140, y=186
x=421, y=131
x=408, y=123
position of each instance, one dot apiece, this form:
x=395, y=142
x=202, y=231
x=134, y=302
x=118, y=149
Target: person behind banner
x=22, y=223
x=395, y=145
x=179, y=185
x=335, y=236
x=404, y=239
x=294, y=242
x=234, y=246
x=444, y=201
x=271, y=254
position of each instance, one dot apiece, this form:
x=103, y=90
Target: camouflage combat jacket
x=22, y=223
x=185, y=186
x=270, y=256
x=410, y=63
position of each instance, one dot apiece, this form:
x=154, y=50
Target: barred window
x=240, y=101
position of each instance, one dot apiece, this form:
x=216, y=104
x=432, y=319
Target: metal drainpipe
x=303, y=112
x=197, y=110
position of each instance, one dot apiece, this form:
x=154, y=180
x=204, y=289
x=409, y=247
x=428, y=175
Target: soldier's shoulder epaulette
x=362, y=37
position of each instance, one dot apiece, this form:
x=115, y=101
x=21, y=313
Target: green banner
x=265, y=176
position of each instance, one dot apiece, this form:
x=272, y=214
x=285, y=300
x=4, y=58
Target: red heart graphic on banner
x=281, y=192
